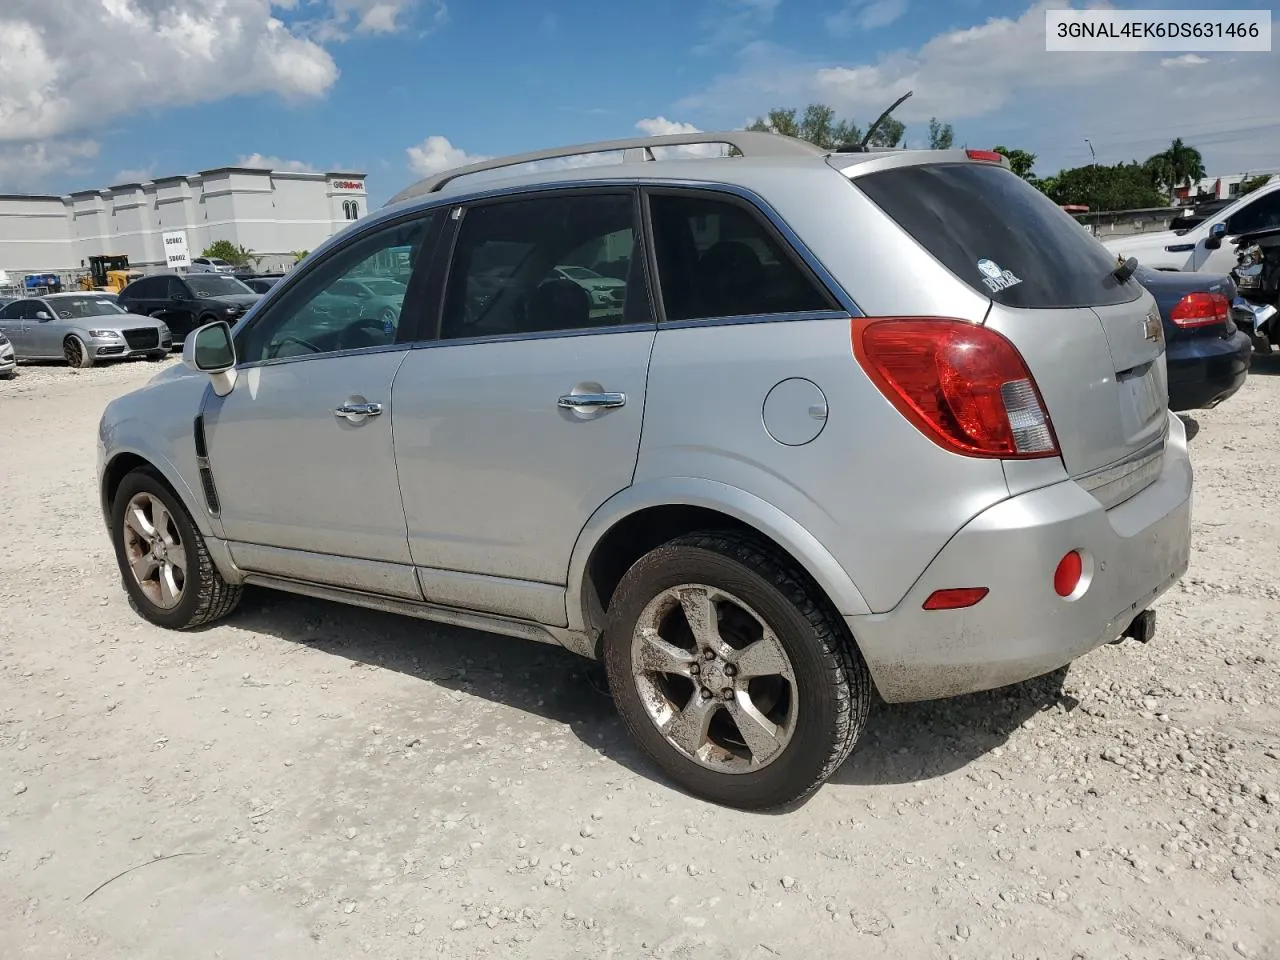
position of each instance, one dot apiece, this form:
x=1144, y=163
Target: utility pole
x=1091, y=153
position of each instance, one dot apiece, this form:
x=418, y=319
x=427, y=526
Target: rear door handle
x=592, y=401
x=358, y=412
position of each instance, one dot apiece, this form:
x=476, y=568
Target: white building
x=1226, y=187
x=271, y=212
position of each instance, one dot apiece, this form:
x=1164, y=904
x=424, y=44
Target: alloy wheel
x=714, y=678
x=154, y=549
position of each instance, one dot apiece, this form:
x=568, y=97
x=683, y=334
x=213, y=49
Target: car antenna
x=1126, y=269
x=861, y=146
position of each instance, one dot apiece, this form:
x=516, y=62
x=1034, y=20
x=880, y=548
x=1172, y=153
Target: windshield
x=579, y=273
x=74, y=308
x=1000, y=235
x=210, y=285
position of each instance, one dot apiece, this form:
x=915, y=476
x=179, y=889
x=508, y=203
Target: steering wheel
x=372, y=324
x=288, y=338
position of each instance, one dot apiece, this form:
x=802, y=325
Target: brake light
x=987, y=156
x=1200, y=310
x=963, y=386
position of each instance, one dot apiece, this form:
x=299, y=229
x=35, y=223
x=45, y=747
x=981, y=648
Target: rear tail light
x=963, y=386
x=1200, y=310
x=986, y=156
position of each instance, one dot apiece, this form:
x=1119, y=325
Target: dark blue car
x=1206, y=352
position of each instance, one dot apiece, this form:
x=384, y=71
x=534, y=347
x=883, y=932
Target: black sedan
x=1206, y=353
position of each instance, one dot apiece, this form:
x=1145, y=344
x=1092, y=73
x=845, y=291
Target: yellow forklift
x=109, y=273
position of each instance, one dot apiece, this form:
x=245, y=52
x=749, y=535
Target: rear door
x=522, y=415
x=13, y=326
x=1094, y=343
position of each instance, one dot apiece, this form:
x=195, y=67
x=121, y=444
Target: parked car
x=261, y=282
x=1207, y=353
x=374, y=297
x=210, y=265
x=605, y=291
x=1206, y=247
x=8, y=360
x=185, y=303
x=81, y=328
x=907, y=448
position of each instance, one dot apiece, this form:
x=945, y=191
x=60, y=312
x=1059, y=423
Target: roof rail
x=750, y=143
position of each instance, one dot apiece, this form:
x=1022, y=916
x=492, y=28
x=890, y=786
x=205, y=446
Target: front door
x=524, y=416
x=1258, y=214
x=301, y=448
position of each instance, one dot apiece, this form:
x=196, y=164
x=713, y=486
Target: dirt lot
x=330, y=783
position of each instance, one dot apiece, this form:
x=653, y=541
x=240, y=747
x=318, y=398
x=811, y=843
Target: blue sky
x=96, y=91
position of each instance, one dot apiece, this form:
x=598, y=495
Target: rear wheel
x=163, y=559
x=732, y=671
x=75, y=353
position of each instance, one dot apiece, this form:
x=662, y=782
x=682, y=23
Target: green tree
x=236, y=255
x=1124, y=186
x=1179, y=166
x=300, y=255
x=941, y=136
x=818, y=125
x=1020, y=161
x=1250, y=184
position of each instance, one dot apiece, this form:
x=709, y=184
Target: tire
x=827, y=696
x=76, y=354
x=202, y=596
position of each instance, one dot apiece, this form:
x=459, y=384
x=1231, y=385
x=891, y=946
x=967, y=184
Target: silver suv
x=860, y=420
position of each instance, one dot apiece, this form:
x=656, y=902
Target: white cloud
x=996, y=83
x=865, y=15
x=733, y=22
x=23, y=166
x=436, y=154
x=66, y=65
x=1186, y=60
x=265, y=162
x=134, y=175
x=373, y=17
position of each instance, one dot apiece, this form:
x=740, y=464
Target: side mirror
x=179, y=297
x=211, y=350
x=42, y=316
x=1214, y=240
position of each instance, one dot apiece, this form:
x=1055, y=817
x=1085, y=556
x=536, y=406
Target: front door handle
x=358, y=412
x=592, y=401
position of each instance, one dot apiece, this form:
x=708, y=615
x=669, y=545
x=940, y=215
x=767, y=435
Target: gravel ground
x=325, y=782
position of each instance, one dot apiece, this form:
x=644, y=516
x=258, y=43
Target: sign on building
x=175, y=249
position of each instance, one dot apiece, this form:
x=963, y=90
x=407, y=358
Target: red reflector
x=962, y=385
x=1067, y=577
x=989, y=156
x=955, y=599
x=1200, y=310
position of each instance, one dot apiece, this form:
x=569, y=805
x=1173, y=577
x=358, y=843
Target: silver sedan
x=81, y=328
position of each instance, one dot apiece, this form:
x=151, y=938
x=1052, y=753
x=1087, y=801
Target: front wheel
x=733, y=672
x=76, y=354
x=163, y=559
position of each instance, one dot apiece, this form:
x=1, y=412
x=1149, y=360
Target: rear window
x=999, y=234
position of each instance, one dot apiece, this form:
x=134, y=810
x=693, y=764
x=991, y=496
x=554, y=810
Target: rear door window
x=1000, y=235
x=716, y=258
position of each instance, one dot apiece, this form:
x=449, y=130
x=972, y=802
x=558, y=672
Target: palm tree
x=1179, y=166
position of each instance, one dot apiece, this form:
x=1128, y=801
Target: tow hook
x=1142, y=629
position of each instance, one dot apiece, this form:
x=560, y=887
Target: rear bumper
x=1205, y=371
x=1022, y=628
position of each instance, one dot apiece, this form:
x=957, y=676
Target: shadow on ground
x=1265, y=365
x=902, y=742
